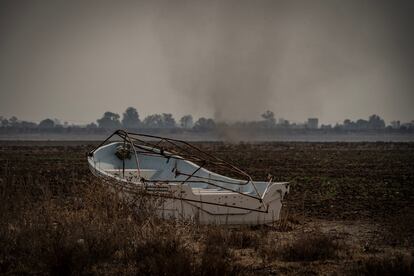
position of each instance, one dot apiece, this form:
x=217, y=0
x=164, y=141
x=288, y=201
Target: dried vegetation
x=55, y=218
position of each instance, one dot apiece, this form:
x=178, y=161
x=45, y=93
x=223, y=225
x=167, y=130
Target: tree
x=375, y=122
x=283, y=123
x=269, y=118
x=91, y=126
x=109, y=120
x=186, y=121
x=348, y=124
x=362, y=124
x=130, y=118
x=204, y=124
x=4, y=122
x=153, y=121
x=47, y=123
x=14, y=121
x=168, y=120
x=165, y=120
x=395, y=124
x=25, y=124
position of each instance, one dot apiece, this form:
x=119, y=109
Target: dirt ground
x=362, y=194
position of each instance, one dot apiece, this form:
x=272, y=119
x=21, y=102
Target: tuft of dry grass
x=391, y=264
x=216, y=257
x=309, y=246
x=245, y=238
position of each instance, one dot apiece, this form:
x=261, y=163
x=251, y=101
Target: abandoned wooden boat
x=180, y=174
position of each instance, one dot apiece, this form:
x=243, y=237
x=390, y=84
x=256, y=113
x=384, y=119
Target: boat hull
x=176, y=177
x=175, y=201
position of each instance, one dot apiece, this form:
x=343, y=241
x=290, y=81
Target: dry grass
x=311, y=246
x=391, y=264
x=55, y=218
x=92, y=230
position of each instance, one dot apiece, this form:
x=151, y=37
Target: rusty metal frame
x=178, y=150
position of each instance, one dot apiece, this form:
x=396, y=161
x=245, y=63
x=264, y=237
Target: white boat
x=176, y=171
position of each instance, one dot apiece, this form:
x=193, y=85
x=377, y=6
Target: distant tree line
x=131, y=120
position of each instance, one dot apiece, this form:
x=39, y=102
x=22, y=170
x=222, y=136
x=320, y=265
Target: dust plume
x=228, y=60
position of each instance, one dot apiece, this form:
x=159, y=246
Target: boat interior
x=153, y=166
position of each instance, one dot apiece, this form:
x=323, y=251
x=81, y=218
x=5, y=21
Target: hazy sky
x=230, y=60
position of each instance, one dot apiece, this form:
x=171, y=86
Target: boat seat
x=146, y=173
x=201, y=191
